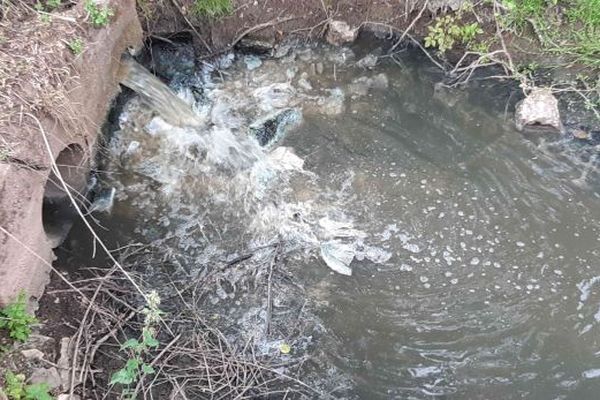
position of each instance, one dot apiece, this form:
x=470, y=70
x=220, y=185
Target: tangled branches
x=192, y=358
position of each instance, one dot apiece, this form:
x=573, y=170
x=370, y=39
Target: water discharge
x=157, y=95
x=472, y=250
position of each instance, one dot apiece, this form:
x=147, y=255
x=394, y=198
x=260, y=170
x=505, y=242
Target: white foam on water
x=219, y=165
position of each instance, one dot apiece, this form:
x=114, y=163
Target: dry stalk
x=410, y=26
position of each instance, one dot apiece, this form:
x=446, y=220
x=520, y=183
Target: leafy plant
x=16, y=389
x=528, y=69
x=135, y=366
x=15, y=318
x=53, y=4
x=99, y=15
x=48, y=5
x=76, y=46
x=212, y=8
x=448, y=30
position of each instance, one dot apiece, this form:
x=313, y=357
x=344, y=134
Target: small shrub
x=16, y=389
x=448, y=30
x=135, y=367
x=16, y=320
x=99, y=16
x=76, y=46
x=212, y=8
x=49, y=5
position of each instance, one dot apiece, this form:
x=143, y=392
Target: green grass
x=16, y=320
x=212, y=8
x=565, y=27
x=586, y=12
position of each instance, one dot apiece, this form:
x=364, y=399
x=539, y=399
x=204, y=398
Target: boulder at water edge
x=340, y=33
x=539, y=108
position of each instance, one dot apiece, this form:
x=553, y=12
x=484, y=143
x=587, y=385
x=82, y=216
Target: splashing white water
x=217, y=171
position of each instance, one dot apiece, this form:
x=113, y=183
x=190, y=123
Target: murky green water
x=476, y=248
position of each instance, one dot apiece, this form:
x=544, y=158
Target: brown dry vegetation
x=35, y=63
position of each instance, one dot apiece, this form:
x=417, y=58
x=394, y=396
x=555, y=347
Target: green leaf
x=123, y=377
x=15, y=318
x=38, y=391
x=132, y=364
x=15, y=385
x=149, y=339
x=147, y=369
x=131, y=344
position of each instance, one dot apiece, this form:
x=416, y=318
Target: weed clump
x=212, y=8
x=136, y=367
x=566, y=27
x=448, y=30
x=99, y=15
x=16, y=320
x=16, y=389
x=76, y=46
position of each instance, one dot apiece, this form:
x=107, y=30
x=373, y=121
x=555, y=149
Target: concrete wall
x=27, y=184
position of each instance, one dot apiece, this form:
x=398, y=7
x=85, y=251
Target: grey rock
x=32, y=354
x=359, y=86
x=340, y=33
x=446, y=95
x=49, y=376
x=282, y=50
x=68, y=397
x=319, y=68
x=2, y=395
x=270, y=129
x=367, y=62
x=64, y=361
x=580, y=134
x=540, y=107
x=380, y=82
x=332, y=104
x=341, y=56
x=304, y=84
x=444, y=5
x=252, y=62
x=362, y=85
x=170, y=60
x=256, y=46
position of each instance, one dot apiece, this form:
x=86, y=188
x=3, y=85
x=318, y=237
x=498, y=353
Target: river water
x=469, y=252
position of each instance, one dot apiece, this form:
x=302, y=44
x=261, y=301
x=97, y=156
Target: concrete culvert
x=58, y=212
